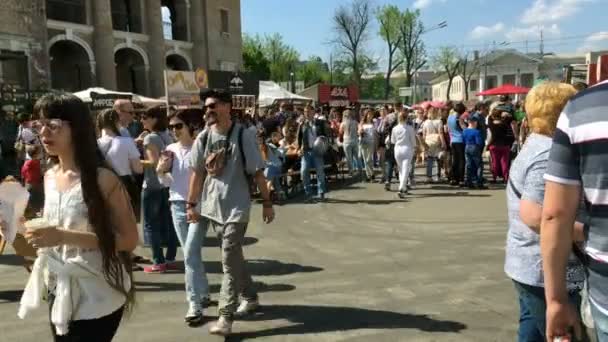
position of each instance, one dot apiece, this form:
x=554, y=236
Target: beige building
x=116, y=44
x=504, y=67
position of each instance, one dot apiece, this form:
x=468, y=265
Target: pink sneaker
x=161, y=268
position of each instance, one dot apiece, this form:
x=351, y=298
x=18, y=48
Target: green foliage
x=373, y=88
x=269, y=57
x=313, y=71
x=254, y=59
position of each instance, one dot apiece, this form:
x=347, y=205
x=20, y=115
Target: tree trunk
x=408, y=79
x=449, y=89
x=466, y=89
x=389, y=72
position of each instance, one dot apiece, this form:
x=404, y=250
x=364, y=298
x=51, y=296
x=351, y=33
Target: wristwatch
x=190, y=205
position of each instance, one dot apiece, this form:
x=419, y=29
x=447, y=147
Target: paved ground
x=363, y=267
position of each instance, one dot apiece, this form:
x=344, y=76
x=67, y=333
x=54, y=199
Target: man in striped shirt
x=578, y=166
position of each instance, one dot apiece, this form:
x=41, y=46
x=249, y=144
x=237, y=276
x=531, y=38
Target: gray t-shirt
x=523, y=261
x=225, y=198
x=151, y=181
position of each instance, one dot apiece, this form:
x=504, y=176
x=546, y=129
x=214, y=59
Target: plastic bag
x=13, y=201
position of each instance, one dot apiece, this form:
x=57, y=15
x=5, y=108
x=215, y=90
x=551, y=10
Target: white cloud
x=420, y=4
x=518, y=34
x=550, y=11
x=480, y=32
x=596, y=41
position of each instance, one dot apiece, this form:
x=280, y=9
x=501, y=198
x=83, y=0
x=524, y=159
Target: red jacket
x=31, y=172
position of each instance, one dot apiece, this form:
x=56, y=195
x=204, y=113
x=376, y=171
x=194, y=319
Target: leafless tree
x=351, y=27
x=468, y=69
x=447, y=60
x=412, y=46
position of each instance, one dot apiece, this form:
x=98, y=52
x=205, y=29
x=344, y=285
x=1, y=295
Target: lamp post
x=292, y=79
x=439, y=26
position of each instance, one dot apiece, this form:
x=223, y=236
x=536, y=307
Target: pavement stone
x=365, y=266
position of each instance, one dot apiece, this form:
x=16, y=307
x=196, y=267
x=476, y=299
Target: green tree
x=412, y=47
x=373, y=88
x=283, y=58
x=313, y=71
x=254, y=59
x=448, y=60
x=390, y=17
x=351, y=28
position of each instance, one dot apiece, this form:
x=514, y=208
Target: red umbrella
x=505, y=89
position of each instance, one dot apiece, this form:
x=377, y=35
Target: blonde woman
x=432, y=135
x=348, y=132
x=367, y=143
x=525, y=195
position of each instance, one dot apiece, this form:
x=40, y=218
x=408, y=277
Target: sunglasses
x=177, y=126
x=54, y=125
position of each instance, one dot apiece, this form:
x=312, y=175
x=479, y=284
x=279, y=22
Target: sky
x=569, y=26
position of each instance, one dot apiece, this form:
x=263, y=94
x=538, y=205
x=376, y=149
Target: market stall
x=272, y=94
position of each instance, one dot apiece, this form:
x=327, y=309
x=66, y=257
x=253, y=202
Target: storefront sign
x=103, y=101
x=243, y=101
x=182, y=88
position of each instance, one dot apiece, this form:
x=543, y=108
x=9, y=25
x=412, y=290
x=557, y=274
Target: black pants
x=101, y=329
x=458, y=162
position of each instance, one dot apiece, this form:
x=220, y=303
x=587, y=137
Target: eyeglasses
x=177, y=126
x=212, y=105
x=53, y=124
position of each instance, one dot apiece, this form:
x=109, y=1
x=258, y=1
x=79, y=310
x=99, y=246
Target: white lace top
x=67, y=210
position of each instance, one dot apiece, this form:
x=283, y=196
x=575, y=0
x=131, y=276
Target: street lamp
x=292, y=79
x=439, y=26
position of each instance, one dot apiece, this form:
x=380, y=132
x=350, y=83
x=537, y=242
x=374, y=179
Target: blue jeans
x=191, y=236
x=309, y=161
x=532, y=309
x=429, y=166
x=351, y=152
x=473, y=163
x=389, y=168
x=601, y=323
x=158, y=226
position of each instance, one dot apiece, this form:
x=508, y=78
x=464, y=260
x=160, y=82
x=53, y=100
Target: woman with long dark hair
x=84, y=250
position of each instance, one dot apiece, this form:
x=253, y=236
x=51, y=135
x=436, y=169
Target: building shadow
x=265, y=267
x=322, y=319
x=151, y=286
x=10, y=296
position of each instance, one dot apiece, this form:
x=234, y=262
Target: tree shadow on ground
x=11, y=260
x=10, y=296
x=321, y=319
x=151, y=286
x=363, y=201
x=265, y=267
x=213, y=241
x=450, y=194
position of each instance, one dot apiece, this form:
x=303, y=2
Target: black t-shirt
x=502, y=133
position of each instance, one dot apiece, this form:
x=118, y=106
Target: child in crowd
x=31, y=174
x=473, y=145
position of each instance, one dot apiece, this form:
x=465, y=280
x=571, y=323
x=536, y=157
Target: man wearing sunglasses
x=223, y=158
x=129, y=127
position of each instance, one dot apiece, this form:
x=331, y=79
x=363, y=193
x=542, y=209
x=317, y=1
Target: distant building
x=504, y=67
x=421, y=82
x=116, y=44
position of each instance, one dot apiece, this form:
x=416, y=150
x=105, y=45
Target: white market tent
x=271, y=92
x=85, y=96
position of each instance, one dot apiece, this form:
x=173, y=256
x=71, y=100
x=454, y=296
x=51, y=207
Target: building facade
x=503, y=67
x=122, y=45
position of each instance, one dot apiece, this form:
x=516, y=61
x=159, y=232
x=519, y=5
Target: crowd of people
x=190, y=171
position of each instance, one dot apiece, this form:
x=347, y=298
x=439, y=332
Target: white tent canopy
x=85, y=95
x=271, y=92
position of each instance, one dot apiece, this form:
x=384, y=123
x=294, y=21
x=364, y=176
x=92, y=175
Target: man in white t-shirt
x=125, y=111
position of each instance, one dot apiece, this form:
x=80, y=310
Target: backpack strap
x=241, y=151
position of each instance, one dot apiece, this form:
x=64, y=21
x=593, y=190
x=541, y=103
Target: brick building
x=116, y=44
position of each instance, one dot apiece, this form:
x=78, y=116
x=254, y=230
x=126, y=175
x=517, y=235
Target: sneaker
x=402, y=194
x=322, y=198
x=194, y=316
x=160, y=268
x=247, y=306
x=221, y=327
x=387, y=186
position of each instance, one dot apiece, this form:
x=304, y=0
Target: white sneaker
x=221, y=327
x=247, y=307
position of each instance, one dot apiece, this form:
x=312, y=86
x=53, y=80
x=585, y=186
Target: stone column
x=103, y=44
x=156, y=48
x=198, y=29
